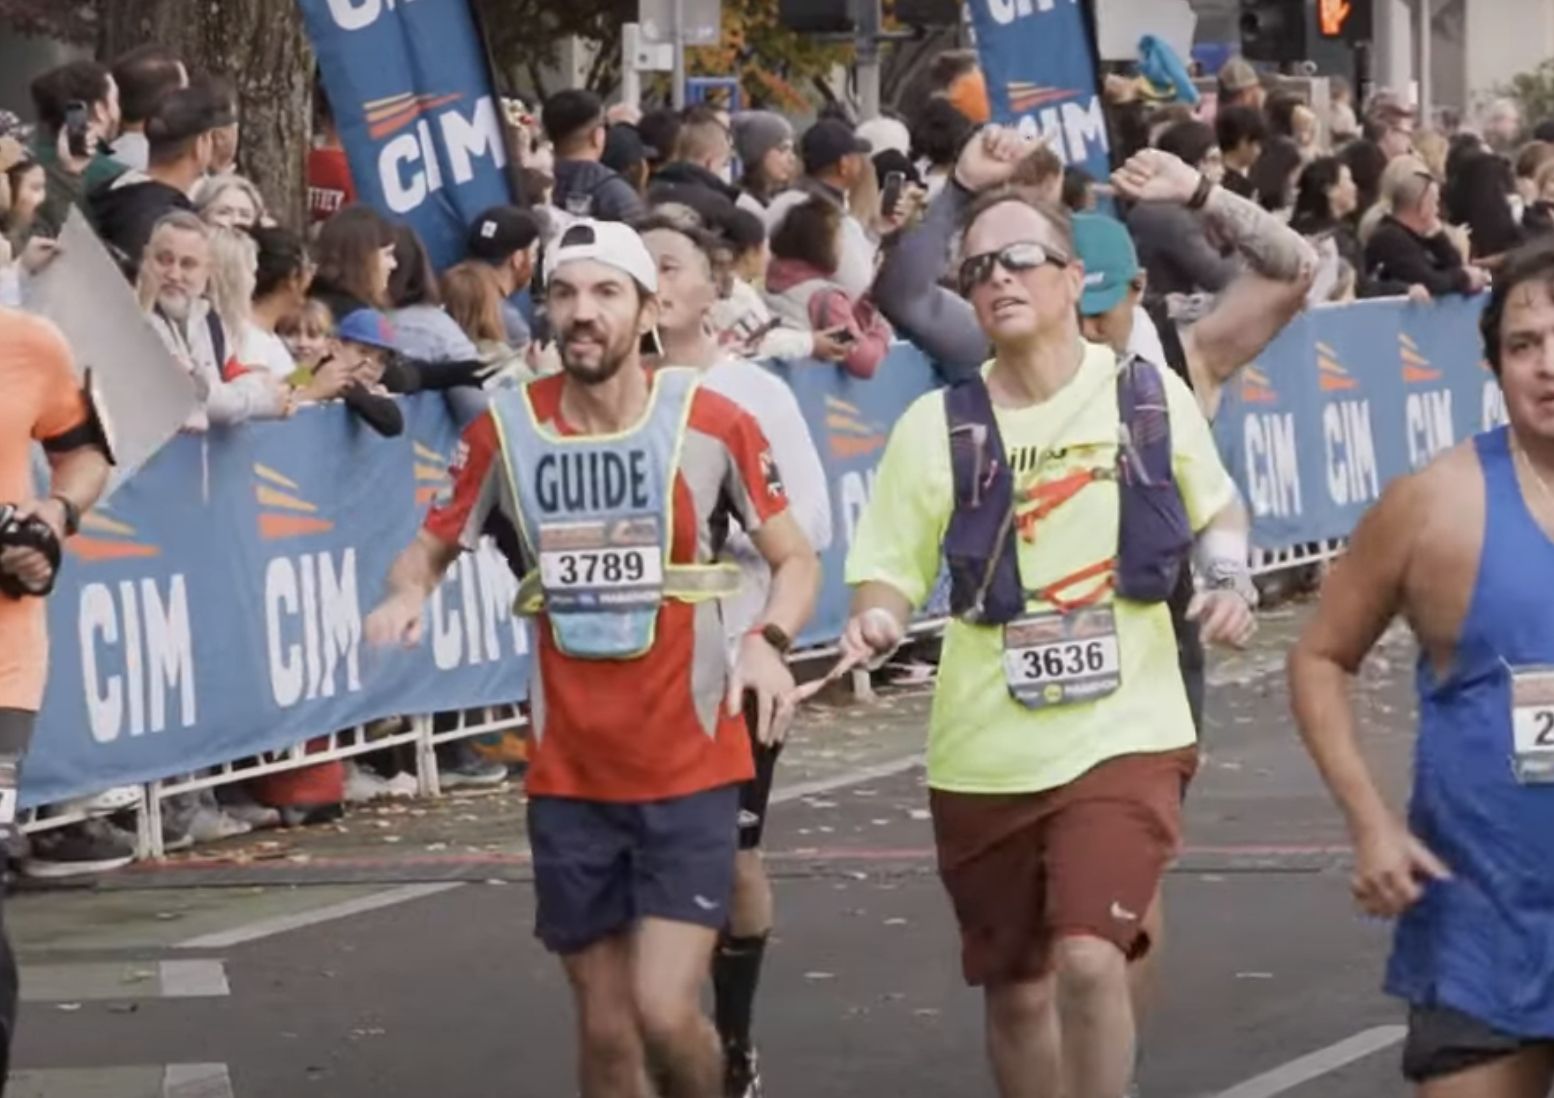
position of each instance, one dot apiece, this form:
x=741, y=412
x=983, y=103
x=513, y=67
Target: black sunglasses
x=1025, y=255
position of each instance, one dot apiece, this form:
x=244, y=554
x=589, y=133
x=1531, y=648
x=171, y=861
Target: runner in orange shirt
x=621, y=484
x=43, y=403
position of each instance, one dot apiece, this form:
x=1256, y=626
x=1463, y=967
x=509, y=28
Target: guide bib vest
x=596, y=521
x=980, y=546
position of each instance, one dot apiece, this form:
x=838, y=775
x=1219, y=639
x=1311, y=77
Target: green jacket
x=66, y=190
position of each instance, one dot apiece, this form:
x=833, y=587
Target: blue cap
x=1164, y=73
x=1111, y=262
x=368, y=327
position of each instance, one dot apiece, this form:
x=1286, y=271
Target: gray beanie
x=757, y=133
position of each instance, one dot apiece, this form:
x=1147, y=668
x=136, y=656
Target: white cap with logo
x=609, y=242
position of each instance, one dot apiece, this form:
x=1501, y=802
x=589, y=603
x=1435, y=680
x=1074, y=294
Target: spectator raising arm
x=938, y=320
x=1265, y=296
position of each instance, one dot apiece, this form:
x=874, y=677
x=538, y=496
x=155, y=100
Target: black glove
x=27, y=532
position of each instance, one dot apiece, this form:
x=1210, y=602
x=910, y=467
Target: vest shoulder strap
x=1146, y=421
x=976, y=448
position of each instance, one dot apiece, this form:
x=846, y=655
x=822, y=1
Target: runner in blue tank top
x=1464, y=551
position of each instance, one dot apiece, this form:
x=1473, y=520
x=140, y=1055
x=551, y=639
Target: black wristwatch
x=775, y=636
x=72, y=515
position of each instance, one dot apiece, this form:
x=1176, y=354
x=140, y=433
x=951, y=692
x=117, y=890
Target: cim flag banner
x=1346, y=399
x=214, y=608
x=1040, y=74
x=411, y=92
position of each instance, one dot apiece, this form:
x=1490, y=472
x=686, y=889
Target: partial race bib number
x=1062, y=658
x=602, y=565
x=1532, y=723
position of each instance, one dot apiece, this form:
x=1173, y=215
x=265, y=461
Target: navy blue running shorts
x=600, y=867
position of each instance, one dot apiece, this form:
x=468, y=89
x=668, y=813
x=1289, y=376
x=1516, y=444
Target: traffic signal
x=1273, y=30
x=928, y=13
x=1349, y=20
x=815, y=16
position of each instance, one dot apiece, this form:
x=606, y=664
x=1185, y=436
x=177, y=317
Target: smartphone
x=890, y=195
x=755, y=335
x=845, y=337
x=77, y=118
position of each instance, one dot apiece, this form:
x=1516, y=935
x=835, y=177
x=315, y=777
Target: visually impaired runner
x=1065, y=488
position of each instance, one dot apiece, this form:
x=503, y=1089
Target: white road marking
x=842, y=781
x=193, y=979
x=196, y=1081
x=1314, y=1065
x=280, y=924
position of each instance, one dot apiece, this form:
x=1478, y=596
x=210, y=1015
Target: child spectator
x=307, y=334
x=801, y=286
x=29, y=189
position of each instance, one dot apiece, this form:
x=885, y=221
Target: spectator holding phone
x=801, y=287
x=78, y=107
x=745, y=324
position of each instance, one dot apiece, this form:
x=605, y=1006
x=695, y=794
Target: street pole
x=866, y=67
x=631, y=79
x=679, y=55
x=1424, y=61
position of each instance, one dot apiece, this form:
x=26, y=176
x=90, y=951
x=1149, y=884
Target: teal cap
x=1111, y=261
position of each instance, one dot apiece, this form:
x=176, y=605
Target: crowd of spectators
x=269, y=318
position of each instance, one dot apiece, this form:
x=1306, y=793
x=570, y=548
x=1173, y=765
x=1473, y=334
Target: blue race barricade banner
x=1041, y=76
x=411, y=94
x=850, y=419
x=214, y=608
x=1346, y=399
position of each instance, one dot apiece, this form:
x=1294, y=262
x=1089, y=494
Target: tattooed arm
x=1252, y=310
x=1261, y=300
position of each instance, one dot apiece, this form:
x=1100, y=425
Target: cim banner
x=1346, y=399
x=1040, y=73
x=214, y=608
x=411, y=93
x=850, y=420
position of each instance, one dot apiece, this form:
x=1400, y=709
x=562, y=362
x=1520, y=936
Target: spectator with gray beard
x=173, y=283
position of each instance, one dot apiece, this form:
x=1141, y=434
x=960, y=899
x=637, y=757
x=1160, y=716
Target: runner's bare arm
x=1360, y=598
x=78, y=475
x=420, y=568
x=1255, y=307
x=795, y=573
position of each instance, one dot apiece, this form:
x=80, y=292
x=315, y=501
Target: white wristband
x=1221, y=555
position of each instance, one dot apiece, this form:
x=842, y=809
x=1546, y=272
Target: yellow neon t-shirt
x=980, y=740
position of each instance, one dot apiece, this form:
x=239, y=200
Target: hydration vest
x=981, y=546
x=596, y=521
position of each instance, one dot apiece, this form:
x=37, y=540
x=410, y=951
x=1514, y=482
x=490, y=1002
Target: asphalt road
x=158, y=987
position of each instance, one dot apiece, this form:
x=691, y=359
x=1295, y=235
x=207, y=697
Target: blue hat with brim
x=368, y=327
x=1111, y=262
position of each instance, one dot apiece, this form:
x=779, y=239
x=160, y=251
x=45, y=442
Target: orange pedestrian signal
x=1333, y=17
